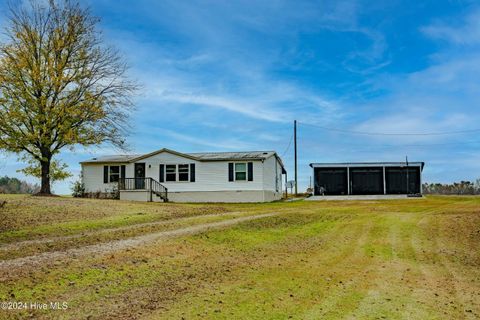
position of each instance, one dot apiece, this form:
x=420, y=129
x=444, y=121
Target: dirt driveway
x=112, y=246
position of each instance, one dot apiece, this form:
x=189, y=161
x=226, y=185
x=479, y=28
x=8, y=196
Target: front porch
x=142, y=189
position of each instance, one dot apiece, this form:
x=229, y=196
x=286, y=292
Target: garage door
x=366, y=180
x=396, y=179
x=332, y=180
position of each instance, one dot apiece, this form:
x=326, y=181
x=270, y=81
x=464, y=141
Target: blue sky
x=233, y=75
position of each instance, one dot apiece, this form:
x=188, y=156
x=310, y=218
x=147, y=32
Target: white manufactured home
x=168, y=175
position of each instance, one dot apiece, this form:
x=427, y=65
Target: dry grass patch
x=28, y=217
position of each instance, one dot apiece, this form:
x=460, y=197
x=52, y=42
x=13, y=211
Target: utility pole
x=408, y=184
x=295, y=147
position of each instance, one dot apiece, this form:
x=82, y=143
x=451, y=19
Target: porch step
x=158, y=194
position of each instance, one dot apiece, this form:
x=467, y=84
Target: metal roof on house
x=114, y=158
x=232, y=155
x=200, y=156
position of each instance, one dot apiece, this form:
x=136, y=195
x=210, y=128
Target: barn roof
x=367, y=164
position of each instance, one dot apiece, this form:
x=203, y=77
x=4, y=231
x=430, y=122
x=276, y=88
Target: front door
x=139, y=175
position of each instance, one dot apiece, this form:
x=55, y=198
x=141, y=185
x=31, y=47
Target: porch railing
x=147, y=184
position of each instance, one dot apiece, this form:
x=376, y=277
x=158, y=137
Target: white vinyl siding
x=211, y=176
x=272, y=175
x=92, y=176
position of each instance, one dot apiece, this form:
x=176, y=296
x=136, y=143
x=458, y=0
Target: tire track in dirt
x=350, y=254
x=373, y=289
x=15, y=245
x=438, y=280
x=112, y=246
x=455, y=279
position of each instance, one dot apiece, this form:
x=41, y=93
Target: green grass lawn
x=391, y=259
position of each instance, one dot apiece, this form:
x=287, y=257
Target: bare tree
x=458, y=188
x=60, y=86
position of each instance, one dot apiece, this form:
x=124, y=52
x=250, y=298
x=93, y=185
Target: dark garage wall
x=366, y=180
x=333, y=180
x=397, y=180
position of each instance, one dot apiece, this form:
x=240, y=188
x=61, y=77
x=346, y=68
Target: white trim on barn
x=205, y=177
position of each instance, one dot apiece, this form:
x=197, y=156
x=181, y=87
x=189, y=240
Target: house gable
x=149, y=155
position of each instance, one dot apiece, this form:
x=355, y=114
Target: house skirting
x=139, y=195
x=225, y=196
x=205, y=196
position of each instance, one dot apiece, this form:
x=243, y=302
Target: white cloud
x=256, y=96
x=467, y=33
x=216, y=144
x=231, y=104
x=442, y=97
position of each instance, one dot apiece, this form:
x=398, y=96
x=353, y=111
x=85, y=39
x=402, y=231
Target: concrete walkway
x=362, y=197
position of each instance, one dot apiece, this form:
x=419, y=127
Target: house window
x=171, y=172
x=114, y=173
x=240, y=171
x=183, y=172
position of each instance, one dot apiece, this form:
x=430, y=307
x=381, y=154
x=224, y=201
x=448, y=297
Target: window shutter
x=162, y=173
x=230, y=171
x=122, y=172
x=192, y=172
x=250, y=171
x=105, y=174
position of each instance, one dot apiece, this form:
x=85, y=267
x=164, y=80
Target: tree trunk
x=45, y=186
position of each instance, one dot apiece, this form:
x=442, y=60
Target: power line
x=288, y=147
x=361, y=148
x=431, y=144
x=421, y=145
x=393, y=134
x=374, y=146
